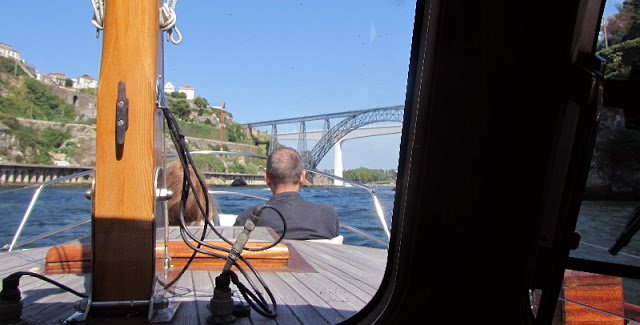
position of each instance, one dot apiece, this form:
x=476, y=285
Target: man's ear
x=303, y=175
x=266, y=179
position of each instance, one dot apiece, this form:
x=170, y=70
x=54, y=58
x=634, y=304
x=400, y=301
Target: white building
x=169, y=88
x=86, y=82
x=189, y=91
x=54, y=79
x=8, y=52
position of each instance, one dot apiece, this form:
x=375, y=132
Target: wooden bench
x=599, y=291
x=75, y=256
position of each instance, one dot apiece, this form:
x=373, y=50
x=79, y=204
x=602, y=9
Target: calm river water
x=60, y=206
x=599, y=222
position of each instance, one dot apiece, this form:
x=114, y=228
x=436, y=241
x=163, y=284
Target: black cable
x=186, y=161
x=256, y=301
x=16, y=277
x=253, y=300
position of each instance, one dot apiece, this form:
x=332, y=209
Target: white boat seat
x=335, y=240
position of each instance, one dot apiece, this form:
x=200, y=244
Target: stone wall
x=615, y=166
x=84, y=104
x=84, y=137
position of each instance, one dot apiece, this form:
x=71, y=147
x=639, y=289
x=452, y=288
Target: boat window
x=328, y=79
x=609, y=215
x=332, y=87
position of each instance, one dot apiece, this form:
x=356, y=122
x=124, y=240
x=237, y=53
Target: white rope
x=98, y=15
x=168, y=19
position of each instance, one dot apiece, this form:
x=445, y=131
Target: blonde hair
x=192, y=213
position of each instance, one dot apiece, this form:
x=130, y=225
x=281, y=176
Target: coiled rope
x=98, y=15
x=167, y=18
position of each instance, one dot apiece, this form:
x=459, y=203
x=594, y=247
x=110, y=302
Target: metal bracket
x=122, y=113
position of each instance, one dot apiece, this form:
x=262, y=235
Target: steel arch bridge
x=352, y=120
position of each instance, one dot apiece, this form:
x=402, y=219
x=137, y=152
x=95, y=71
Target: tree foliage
x=179, y=95
x=36, y=144
x=200, y=102
x=9, y=66
x=235, y=133
x=34, y=100
x=620, y=41
x=365, y=175
x=180, y=108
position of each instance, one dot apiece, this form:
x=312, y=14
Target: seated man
x=305, y=220
x=192, y=214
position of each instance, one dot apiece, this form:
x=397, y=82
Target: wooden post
x=123, y=239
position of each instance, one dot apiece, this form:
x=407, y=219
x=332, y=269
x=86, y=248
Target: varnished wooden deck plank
x=48, y=304
x=21, y=260
x=358, y=267
x=292, y=309
x=344, y=280
x=186, y=295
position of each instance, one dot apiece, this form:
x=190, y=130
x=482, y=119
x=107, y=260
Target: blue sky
x=266, y=60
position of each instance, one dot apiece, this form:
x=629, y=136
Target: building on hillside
x=188, y=90
x=8, y=52
x=169, y=88
x=54, y=79
x=85, y=81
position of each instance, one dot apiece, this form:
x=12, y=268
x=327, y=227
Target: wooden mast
x=123, y=229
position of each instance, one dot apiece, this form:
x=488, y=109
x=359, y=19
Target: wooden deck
x=334, y=282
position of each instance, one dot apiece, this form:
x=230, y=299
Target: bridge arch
x=352, y=122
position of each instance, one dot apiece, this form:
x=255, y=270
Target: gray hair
x=284, y=166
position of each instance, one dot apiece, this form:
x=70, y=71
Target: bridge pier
x=34, y=174
x=337, y=162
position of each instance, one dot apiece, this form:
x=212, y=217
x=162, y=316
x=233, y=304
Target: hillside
x=42, y=124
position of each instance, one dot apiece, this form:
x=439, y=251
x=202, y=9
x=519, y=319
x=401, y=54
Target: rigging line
x=606, y=249
x=167, y=19
x=19, y=189
x=98, y=15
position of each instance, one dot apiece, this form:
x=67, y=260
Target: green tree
x=235, y=167
x=10, y=66
x=200, y=102
x=620, y=44
x=180, y=108
x=235, y=132
x=35, y=144
x=365, y=175
x=179, y=95
x=68, y=82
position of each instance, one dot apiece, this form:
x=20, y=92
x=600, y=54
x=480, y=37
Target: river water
x=60, y=206
x=599, y=222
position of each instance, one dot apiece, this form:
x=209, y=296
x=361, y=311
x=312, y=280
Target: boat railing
x=350, y=228
x=34, y=199
x=40, y=187
x=371, y=190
